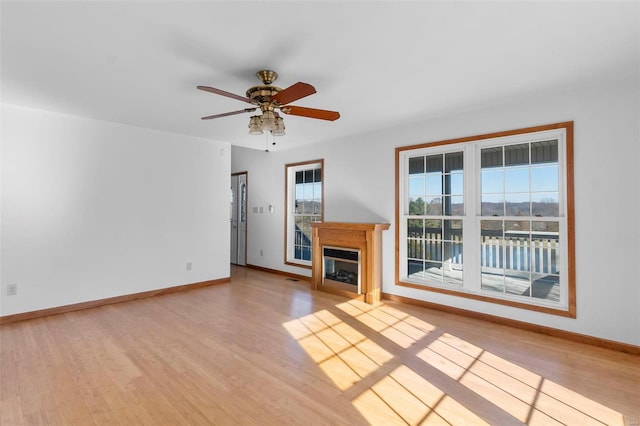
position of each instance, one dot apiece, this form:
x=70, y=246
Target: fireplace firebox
x=341, y=268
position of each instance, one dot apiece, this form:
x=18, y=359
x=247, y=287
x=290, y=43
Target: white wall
x=93, y=209
x=360, y=186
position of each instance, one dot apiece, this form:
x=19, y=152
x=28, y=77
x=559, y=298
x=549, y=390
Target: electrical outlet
x=12, y=289
x=189, y=266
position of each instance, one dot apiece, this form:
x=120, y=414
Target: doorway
x=239, y=218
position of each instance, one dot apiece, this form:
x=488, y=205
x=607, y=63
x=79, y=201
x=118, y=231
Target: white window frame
x=471, y=146
x=290, y=173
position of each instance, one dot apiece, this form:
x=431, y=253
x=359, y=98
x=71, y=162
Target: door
x=239, y=218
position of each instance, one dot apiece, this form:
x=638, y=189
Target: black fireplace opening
x=341, y=268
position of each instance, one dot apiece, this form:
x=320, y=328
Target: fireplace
x=347, y=259
x=341, y=268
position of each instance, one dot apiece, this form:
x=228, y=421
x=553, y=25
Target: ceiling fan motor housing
x=262, y=94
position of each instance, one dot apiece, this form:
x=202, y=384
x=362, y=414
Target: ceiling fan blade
x=223, y=93
x=322, y=114
x=293, y=93
x=226, y=114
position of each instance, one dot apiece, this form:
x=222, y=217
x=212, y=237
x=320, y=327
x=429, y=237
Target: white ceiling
x=379, y=64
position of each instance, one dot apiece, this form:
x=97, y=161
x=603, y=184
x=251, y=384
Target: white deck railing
x=538, y=255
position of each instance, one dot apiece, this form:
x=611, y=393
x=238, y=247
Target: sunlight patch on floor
x=397, y=326
x=345, y=355
x=403, y=396
x=521, y=393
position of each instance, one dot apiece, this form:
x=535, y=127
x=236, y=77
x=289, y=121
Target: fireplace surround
x=347, y=259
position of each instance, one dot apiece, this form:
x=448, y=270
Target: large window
x=304, y=194
x=490, y=217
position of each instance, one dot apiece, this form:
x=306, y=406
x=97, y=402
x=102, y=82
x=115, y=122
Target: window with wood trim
x=305, y=201
x=490, y=217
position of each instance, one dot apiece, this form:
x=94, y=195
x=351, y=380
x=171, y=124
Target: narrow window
x=305, y=201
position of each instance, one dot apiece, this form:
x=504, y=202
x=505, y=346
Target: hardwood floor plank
x=265, y=350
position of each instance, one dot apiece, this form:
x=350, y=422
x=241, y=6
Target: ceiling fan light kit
x=269, y=98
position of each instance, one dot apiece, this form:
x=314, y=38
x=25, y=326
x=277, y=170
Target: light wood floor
x=265, y=350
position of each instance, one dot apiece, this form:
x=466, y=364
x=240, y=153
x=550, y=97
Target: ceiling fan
x=270, y=98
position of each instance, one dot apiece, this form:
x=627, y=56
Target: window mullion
x=471, y=221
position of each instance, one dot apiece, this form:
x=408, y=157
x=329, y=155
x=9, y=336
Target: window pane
x=416, y=191
x=517, y=204
x=317, y=175
x=434, y=184
x=303, y=226
x=415, y=248
x=491, y=255
x=544, y=256
x=544, y=152
x=516, y=154
x=545, y=227
x=306, y=253
x=415, y=268
x=492, y=181
x=308, y=191
x=416, y=206
x=453, y=206
x=307, y=207
x=299, y=191
x=308, y=176
x=433, y=273
x=317, y=191
x=452, y=230
x=492, y=205
x=416, y=165
x=491, y=229
x=433, y=229
x=453, y=253
x=545, y=204
x=456, y=184
x=517, y=283
x=299, y=177
x=544, y=178
x=452, y=274
x=434, y=206
x=546, y=287
x=434, y=163
x=491, y=157
x=516, y=179
x=433, y=250
x=453, y=161
x=492, y=280
x=516, y=228
x=517, y=245
x=415, y=228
